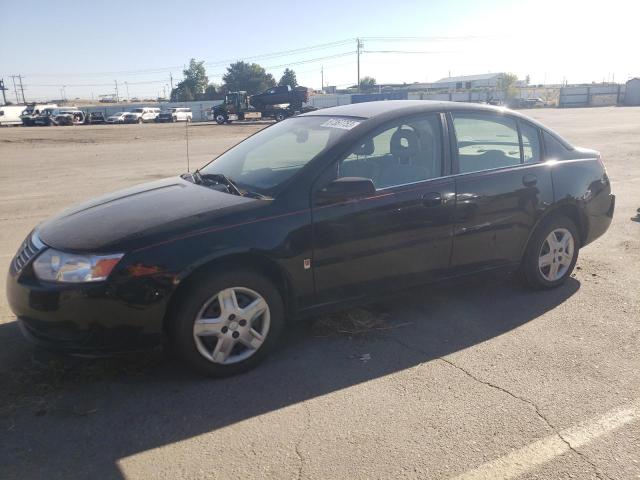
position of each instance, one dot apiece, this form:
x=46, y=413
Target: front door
x=400, y=235
x=501, y=188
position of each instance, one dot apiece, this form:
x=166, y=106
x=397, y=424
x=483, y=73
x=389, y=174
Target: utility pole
x=15, y=90
x=358, y=47
x=22, y=89
x=322, y=78
x=117, y=97
x=126, y=84
x=3, y=88
x=171, y=80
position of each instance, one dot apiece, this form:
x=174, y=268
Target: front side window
x=486, y=142
x=267, y=159
x=531, y=151
x=407, y=151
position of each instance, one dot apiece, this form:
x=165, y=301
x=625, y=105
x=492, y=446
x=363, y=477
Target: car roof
x=400, y=107
x=384, y=110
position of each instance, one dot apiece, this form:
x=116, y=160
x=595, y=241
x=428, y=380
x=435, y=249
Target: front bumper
x=99, y=318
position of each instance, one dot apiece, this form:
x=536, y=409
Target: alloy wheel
x=556, y=254
x=232, y=325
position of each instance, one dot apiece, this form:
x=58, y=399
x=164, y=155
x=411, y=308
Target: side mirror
x=346, y=188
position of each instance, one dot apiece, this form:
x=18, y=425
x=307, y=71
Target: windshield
x=266, y=160
x=137, y=110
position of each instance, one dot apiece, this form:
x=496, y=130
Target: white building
x=466, y=82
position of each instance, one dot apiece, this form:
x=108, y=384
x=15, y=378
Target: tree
x=367, y=84
x=248, y=77
x=288, y=78
x=210, y=92
x=507, y=83
x=194, y=83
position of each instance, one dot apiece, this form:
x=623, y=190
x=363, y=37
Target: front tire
x=226, y=323
x=140, y=120
x=220, y=119
x=551, y=254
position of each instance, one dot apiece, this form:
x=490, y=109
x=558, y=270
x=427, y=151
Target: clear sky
x=87, y=45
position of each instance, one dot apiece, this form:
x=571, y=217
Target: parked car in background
x=29, y=115
x=67, y=116
x=93, y=118
x=526, y=103
x=11, y=114
x=324, y=209
x=175, y=114
x=59, y=116
x=116, y=117
x=141, y=115
x=43, y=119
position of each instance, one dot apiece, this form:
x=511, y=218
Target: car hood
x=138, y=216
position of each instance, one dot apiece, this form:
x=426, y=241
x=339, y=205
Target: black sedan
x=319, y=211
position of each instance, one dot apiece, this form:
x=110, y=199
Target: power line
x=430, y=39
x=405, y=51
x=207, y=63
x=92, y=84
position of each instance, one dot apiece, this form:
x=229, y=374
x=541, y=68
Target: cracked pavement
x=480, y=379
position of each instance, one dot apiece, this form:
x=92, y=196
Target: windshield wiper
x=218, y=178
x=252, y=194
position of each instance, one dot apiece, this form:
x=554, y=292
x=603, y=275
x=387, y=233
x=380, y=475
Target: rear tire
x=551, y=254
x=279, y=116
x=208, y=314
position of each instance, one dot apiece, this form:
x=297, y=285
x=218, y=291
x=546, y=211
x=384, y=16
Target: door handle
x=432, y=199
x=529, y=180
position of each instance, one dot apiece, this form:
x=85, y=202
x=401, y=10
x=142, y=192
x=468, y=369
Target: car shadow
x=61, y=416
x=637, y=217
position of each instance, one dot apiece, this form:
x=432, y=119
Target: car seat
x=360, y=167
x=407, y=164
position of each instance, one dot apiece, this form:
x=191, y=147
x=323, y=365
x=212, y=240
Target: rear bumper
x=600, y=217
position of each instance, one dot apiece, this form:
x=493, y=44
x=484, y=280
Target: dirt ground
x=481, y=380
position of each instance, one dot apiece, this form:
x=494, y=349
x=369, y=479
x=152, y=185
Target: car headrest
x=404, y=150
x=366, y=148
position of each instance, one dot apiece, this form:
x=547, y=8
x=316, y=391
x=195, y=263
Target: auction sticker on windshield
x=340, y=123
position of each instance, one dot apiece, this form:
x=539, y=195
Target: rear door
x=402, y=234
x=502, y=187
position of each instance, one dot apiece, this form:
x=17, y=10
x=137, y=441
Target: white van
x=142, y=114
x=10, y=114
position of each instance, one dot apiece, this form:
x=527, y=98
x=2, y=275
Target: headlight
x=55, y=266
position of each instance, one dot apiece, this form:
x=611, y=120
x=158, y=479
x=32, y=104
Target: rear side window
x=553, y=148
x=531, y=151
x=486, y=142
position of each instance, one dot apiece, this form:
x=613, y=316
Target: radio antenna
x=186, y=133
